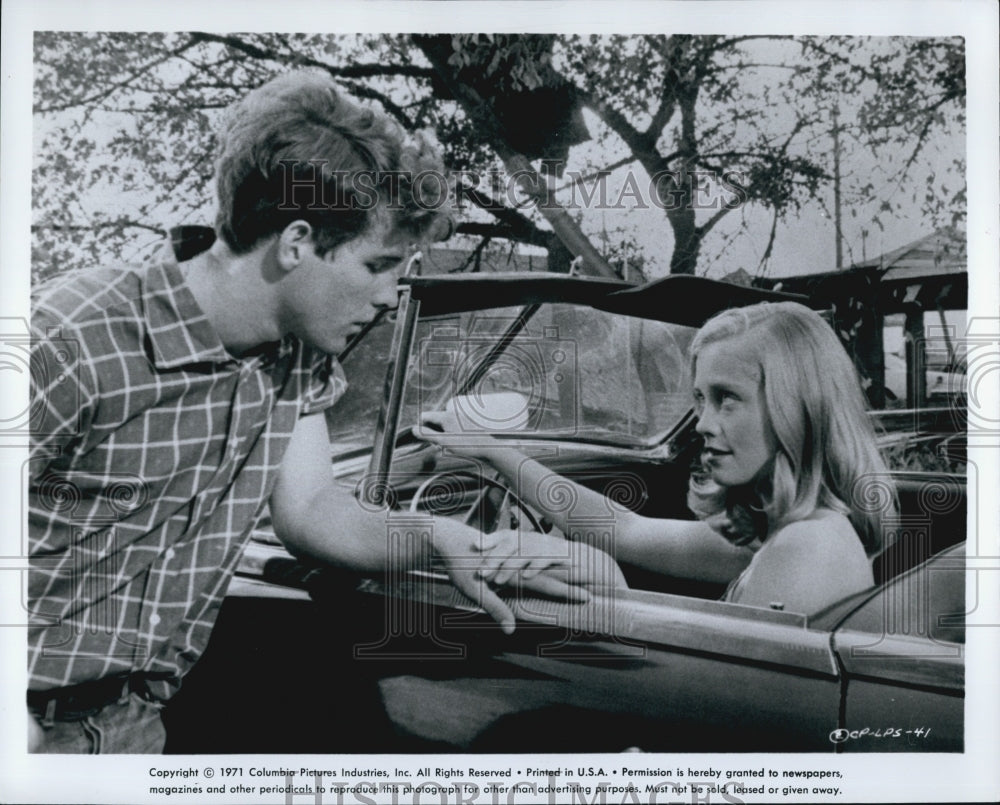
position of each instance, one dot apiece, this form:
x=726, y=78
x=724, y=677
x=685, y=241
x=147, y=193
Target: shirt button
x=169, y=554
x=154, y=619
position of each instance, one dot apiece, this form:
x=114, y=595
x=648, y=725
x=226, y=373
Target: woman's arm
x=683, y=548
x=688, y=549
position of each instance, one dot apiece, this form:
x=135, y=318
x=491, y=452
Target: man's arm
x=315, y=517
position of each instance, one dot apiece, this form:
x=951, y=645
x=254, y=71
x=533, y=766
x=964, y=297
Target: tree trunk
x=687, y=241
x=438, y=50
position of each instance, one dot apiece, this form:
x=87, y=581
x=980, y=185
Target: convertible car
x=589, y=376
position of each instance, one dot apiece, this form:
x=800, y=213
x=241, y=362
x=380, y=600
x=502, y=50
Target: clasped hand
x=547, y=564
x=532, y=562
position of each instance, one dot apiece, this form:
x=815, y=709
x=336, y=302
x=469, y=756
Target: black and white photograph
x=429, y=402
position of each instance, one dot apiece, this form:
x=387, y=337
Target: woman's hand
x=443, y=428
x=549, y=565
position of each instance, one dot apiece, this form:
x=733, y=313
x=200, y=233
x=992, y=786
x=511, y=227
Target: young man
x=176, y=401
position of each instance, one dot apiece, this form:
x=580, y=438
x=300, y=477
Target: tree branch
x=619, y=163
x=727, y=43
x=347, y=71
x=770, y=245
x=668, y=93
x=473, y=256
x=661, y=117
x=519, y=226
x=538, y=237
x=123, y=224
x=639, y=143
x=709, y=225
x=343, y=73
x=114, y=87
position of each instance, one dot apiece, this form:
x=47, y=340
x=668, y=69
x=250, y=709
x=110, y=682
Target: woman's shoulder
x=809, y=564
x=823, y=525
x=826, y=539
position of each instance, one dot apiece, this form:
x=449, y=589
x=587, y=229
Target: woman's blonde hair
x=826, y=443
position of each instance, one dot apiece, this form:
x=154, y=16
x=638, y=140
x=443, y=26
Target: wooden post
x=916, y=362
x=869, y=353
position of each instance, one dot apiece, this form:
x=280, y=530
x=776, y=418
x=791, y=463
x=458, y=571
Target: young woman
x=787, y=446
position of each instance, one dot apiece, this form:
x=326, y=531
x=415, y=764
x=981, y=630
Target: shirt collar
x=179, y=331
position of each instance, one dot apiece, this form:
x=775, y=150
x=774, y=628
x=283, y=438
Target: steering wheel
x=452, y=484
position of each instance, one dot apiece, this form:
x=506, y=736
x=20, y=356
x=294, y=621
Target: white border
x=972, y=776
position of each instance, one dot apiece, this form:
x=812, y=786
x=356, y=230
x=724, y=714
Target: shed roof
x=931, y=271
x=941, y=252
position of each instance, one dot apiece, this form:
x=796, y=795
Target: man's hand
x=36, y=735
x=530, y=561
x=462, y=555
x=549, y=565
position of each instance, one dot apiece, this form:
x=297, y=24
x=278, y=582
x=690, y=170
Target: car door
x=903, y=655
x=647, y=670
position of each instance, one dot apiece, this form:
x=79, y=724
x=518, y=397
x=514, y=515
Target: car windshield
x=570, y=370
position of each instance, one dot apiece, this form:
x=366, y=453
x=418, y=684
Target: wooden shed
x=927, y=275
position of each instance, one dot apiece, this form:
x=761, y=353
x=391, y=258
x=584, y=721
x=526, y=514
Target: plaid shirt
x=155, y=455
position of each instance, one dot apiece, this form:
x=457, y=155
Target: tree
x=694, y=109
x=714, y=124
